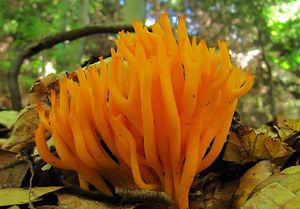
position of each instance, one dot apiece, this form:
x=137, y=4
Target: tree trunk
x=263, y=37
x=13, y=84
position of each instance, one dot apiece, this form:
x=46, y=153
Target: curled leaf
x=12, y=170
x=287, y=126
x=248, y=144
x=23, y=131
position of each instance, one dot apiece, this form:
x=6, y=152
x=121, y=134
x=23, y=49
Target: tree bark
x=270, y=76
x=263, y=37
x=47, y=43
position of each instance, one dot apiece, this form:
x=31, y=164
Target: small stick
x=142, y=196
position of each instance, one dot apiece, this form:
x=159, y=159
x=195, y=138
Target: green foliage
x=283, y=22
x=239, y=22
x=26, y=82
x=24, y=20
x=10, y=27
x=5, y=65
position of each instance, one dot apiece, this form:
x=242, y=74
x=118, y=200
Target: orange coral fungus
x=148, y=117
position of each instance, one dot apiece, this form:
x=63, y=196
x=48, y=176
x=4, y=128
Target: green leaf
x=16, y=196
x=285, y=65
x=5, y=65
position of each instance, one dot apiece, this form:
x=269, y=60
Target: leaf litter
x=270, y=146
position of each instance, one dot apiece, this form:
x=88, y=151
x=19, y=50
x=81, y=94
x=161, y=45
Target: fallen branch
x=47, y=43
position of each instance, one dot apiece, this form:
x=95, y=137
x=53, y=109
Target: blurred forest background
x=262, y=35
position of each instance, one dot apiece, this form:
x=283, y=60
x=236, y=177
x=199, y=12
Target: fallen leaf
x=276, y=148
x=76, y=202
x=40, y=90
x=16, y=196
x=291, y=170
x=14, y=207
x=217, y=195
x=288, y=123
x=12, y=170
x=254, y=143
x=235, y=152
x=251, y=178
x=23, y=131
x=282, y=190
x=248, y=144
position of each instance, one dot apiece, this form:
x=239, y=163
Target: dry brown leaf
x=250, y=145
x=254, y=143
x=12, y=170
x=282, y=190
x=293, y=125
x=216, y=195
x=39, y=91
x=23, y=131
x=254, y=176
x=234, y=151
x=276, y=148
x=76, y=202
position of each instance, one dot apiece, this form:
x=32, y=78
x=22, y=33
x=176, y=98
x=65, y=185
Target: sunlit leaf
x=254, y=176
x=15, y=196
x=249, y=144
x=286, y=65
x=278, y=191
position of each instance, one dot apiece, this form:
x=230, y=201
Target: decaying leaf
x=23, y=131
x=286, y=126
x=39, y=92
x=244, y=145
x=76, y=202
x=282, y=190
x=16, y=196
x=248, y=144
x=254, y=176
x=235, y=151
x=12, y=170
x=217, y=195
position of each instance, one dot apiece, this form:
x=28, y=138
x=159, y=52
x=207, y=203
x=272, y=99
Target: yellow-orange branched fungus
x=154, y=116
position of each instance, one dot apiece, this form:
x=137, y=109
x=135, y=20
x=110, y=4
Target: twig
x=31, y=206
x=130, y=196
